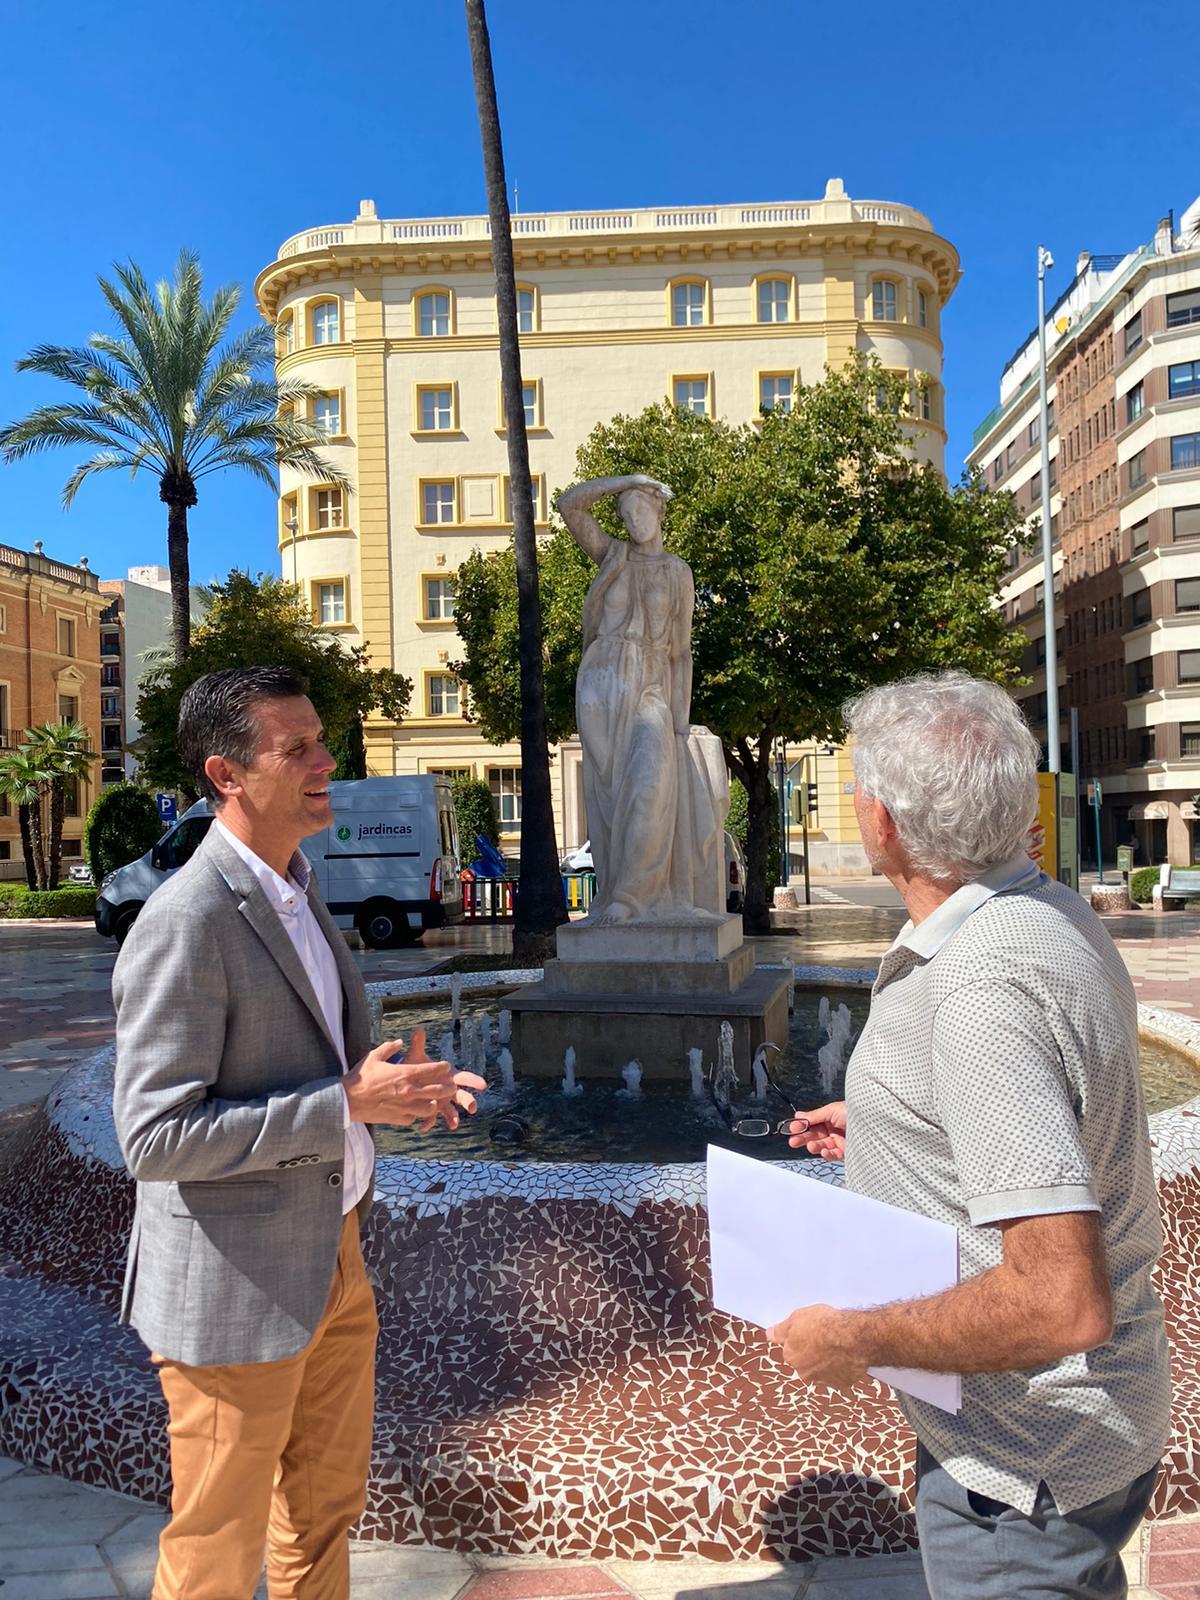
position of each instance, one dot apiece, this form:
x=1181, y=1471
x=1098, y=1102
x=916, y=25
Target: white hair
x=951, y=758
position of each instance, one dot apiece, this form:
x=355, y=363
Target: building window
x=326, y=321
x=110, y=678
x=1189, y=666
x=330, y=508
x=1185, y=522
x=285, y=335
x=1135, y=403
x=433, y=314
x=691, y=394
x=1010, y=455
x=1133, y=333
x=1139, y=535
x=1185, y=451
x=331, y=602
x=1189, y=739
x=924, y=399
x=1183, y=308
x=527, y=309
x=775, y=392
x=68, y=708
x=505, y=784
x=1143, y=744
x=1139, y=607
x=442, y=695
x=883, y=300
x=1137, y=470
x=327, y=414
x=687, y=305
x=886, y=399
x=435, y=409
x=110, y=706
x=66, y=636
x=1183, y=380
x=1053, y=471
x=531, y=404
x=1187, y=594
x=998, y=469
x=437, y=502
x=71, y=797
x=1141, y=675
x=535, y=491
x=439, y=599
x=774, y=300
x=3, y=619
x=922, y=309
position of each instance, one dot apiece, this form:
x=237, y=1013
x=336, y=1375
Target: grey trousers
x=974, y=1548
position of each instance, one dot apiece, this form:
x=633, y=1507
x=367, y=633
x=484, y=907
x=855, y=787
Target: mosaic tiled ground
x=553, y=1378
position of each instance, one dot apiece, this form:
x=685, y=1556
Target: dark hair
x=216, y=716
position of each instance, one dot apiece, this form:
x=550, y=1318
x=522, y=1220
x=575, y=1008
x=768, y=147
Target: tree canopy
x=825, y=559
x=258, y=623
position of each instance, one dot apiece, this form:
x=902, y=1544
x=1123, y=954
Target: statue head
x=641, y=510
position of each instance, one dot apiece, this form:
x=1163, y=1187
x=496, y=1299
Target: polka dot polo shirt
x=996, y=1078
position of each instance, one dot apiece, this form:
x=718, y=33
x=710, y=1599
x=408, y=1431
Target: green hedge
x=18, y=901
x=121, y=826
x=1141, y=885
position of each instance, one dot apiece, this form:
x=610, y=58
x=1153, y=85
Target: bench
x=1176, y=883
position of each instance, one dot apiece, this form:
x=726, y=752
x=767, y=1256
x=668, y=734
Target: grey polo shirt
x=997, y=1077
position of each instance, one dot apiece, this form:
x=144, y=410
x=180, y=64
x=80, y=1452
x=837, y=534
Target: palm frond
x=104, y=461
x=67, y=424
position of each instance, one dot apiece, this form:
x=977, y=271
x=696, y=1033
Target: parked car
x=388, y=864
x=580, y=860
x=79, y=872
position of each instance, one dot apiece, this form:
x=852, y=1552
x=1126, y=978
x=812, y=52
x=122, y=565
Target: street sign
x=166, y=807
x=1095, y=793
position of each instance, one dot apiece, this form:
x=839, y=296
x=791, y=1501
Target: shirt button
x=335, y=1180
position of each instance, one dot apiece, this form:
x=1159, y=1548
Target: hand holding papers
x=780, y=1240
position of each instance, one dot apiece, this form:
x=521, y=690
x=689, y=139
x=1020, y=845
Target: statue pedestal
x=648, y=992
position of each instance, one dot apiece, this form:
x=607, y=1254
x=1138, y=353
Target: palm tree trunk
x=539, y=905
x=58, y=806
x=37, y=843
x=178, y=492
x=23, y=820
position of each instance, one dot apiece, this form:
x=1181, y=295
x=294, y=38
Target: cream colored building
x=722, y=308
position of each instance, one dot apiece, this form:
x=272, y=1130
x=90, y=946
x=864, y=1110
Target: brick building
x=1123, y=359
x=49, y=671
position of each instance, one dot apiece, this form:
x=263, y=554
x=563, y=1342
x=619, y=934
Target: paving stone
x=95, y=1585
x=408, y=1561
x=141, y=1530
x=660, y=1579
x=547, y=1583
x=1175, y=1536
x=9, y=1468
x=46, y=1530
x=25, y=1559
x=880, y=1586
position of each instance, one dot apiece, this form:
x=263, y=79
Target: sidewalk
x=60, y=1541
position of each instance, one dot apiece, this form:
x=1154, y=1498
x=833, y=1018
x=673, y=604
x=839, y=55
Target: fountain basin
x=552, y=1378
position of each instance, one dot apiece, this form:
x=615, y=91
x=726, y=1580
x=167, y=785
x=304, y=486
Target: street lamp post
x=292, y=525
x=1053, y=755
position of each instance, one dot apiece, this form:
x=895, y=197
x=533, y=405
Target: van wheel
x=382, y=926
x=122, y=922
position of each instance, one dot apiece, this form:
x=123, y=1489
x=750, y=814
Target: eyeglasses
x=761, y=1127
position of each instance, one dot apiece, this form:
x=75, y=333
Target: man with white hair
x=995, y=1087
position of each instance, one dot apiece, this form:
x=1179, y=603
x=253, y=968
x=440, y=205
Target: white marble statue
x=655, y=789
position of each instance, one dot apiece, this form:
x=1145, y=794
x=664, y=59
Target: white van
x=387, y=866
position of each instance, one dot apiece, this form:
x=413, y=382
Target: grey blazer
x=231, y=1116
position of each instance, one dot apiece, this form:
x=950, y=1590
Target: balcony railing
x=31, y=561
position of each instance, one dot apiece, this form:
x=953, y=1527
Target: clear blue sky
x=140, y=127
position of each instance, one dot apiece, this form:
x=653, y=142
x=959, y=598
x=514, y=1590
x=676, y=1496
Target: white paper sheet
x=780, y=1241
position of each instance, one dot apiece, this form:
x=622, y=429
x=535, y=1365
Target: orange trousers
x=273, y=1453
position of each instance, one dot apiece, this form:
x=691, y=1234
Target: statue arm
x=681, y=676
x=573, y=507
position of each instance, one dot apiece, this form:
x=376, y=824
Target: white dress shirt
x=289, y=899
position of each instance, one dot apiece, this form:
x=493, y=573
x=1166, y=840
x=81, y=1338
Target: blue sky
x=140, y=127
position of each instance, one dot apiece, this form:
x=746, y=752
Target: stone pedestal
x=1110, y=897
x=651, y=993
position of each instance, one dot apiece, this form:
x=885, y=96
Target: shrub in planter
x=18, y=901
x=121, y=826
x=475, y=813
x=1141, y=885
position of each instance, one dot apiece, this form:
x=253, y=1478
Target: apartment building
x=1123, y=356
x=49, y=671
x=722, y=309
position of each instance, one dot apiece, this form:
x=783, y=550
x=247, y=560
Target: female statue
x=655, y=789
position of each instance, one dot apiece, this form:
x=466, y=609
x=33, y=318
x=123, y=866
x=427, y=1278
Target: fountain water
x=445, y=1049
x=504, y=1061
x=570, y=1087
x=726, y=1081
x=696, y=1069
x=485, y=1030
x=456, y=992
x=504, y=1030
x=835, y=1052
x=758, y=1071
x=632, y=1074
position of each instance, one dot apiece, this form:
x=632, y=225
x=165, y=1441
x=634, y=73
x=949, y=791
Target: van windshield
x=181, y=845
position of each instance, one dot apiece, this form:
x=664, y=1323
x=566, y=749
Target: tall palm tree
x=539, y=905
x=23, y=780
x=162, y=395
x=60, y=749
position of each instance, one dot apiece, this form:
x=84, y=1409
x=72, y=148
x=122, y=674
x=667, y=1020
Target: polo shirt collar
x=928, y=936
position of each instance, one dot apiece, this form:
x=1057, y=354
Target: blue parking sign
x=166, y=807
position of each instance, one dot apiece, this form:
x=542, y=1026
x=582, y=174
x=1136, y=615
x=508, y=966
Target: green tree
x=23, y=781
x=540, y=907
x=257, y=623
x=62, y=750
x=826, y=560
x=474, y=813
x=121, y=826
x=163, y=395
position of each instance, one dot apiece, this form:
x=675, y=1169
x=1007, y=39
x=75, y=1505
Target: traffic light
x=808, y=799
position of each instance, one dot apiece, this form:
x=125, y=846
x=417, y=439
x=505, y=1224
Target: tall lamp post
x=292, y=526
x=1053, y=756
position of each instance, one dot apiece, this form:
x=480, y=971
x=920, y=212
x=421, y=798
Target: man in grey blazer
x=245, y=1084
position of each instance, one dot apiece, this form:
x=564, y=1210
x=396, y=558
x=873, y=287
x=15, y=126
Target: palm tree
x=539, y=905
x=23, y=781
x=60, y=749
x=162, y=395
